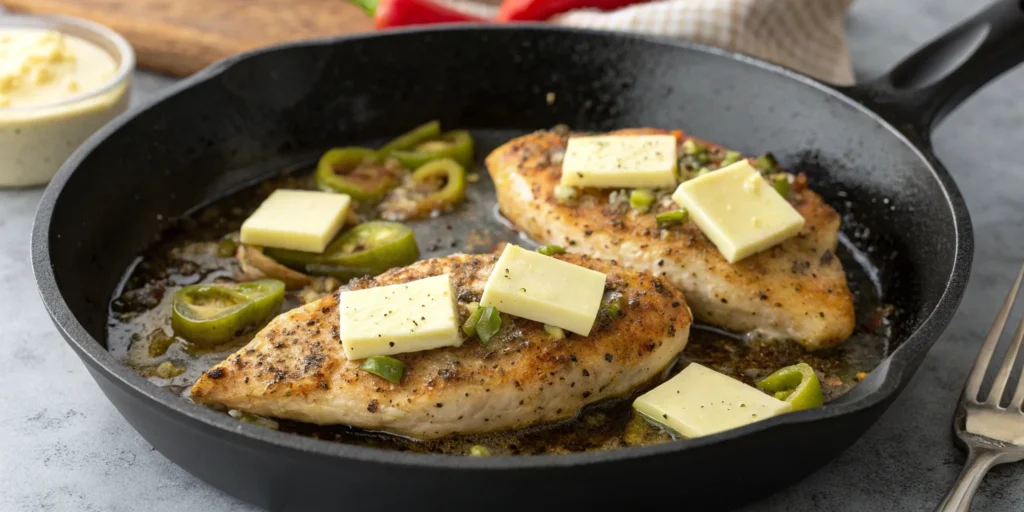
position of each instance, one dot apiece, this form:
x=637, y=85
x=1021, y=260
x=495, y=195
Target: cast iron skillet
x=866, y=149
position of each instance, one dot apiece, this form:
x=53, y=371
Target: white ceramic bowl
x=35, y=140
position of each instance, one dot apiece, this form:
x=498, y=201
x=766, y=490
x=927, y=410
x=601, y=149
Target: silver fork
x=992, y=434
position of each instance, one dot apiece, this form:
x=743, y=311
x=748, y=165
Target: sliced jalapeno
x=457, y=145
x=488, y=324
x=365, y=250
x=385, y=367
x=434, y=187
x=797, y=384
x=449, y=176
x=209, y=314
x=411, y=138
x=469, y=327
x=357, y=172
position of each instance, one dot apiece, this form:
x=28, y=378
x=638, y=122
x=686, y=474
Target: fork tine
x=973, y=386
x=1003, y=377
x=1018, y=395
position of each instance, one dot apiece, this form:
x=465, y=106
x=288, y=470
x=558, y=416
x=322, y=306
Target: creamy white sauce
x=49, y=100
x=41, y=67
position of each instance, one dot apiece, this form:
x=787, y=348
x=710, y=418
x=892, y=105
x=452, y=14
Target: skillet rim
x=92, y=353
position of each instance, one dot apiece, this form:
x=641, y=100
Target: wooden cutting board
x=180, y=37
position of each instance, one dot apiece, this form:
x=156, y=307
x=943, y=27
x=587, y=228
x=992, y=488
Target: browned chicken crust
x=295, y=368
x=794, y=290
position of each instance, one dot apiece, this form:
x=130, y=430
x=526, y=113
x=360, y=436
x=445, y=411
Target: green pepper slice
x=357, y=172
x=766, y=163
x=367, y=249
x=446, y=178
x=672, y=217
x=411, y=138
x=781, y=185
x=457, y=145
x=488, y=325
x=210, y=314
x=551, y=250
x=797, y=384
x=731, y=157
x=385, y=367
x=469, y=326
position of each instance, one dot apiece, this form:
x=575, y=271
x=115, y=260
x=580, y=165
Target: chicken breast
x=794, y=290
x=295, y=367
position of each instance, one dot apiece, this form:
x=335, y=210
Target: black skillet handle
x=919, y=92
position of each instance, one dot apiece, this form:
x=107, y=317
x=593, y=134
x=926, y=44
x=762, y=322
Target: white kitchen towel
x=804, y=35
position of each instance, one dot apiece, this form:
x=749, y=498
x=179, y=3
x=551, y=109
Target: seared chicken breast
x=295, y=367
x=794, y=290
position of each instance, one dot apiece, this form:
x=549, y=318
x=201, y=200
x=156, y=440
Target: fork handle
x=959, y=498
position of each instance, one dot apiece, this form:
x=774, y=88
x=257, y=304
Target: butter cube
x=302, y=220
x=620, y=161
x=738, y=210
x=409, y=317
x=700, y=401
x=536, y=287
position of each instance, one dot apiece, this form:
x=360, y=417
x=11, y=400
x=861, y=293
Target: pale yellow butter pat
x=409, y=317
x=620, y=161
x=302, y=220
x=536, y=287
x=700, y=401
x=738, y=210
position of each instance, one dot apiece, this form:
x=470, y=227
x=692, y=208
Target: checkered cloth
x=805, y=35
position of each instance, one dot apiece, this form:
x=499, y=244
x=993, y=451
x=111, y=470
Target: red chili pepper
x=401, y=13
x=540, y=10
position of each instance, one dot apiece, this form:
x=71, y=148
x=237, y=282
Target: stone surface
x=64, y=447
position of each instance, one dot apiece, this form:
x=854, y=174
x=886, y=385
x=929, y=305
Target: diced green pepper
x=556, y=333
x=412, y=138
x=551, y=250
x=613, y=307
x=489, y=324
x=367, y=249
x=797, y=384
x=457, y=145
x=565, y=194
x=781, y=185
x=210, y=314
x=469, y=327
x=385, y=367
x=357, y=172
x=672, y=217
x=479, y=451
x=641, y=200
x=766, y=163
x=168, y=370
x=731, y=157
x=226, y=248
x=692, y=147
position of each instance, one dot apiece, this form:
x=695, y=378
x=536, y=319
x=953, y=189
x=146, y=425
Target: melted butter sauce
x=139, y=332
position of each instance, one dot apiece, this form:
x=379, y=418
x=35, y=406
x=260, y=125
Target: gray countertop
x=64, y=447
